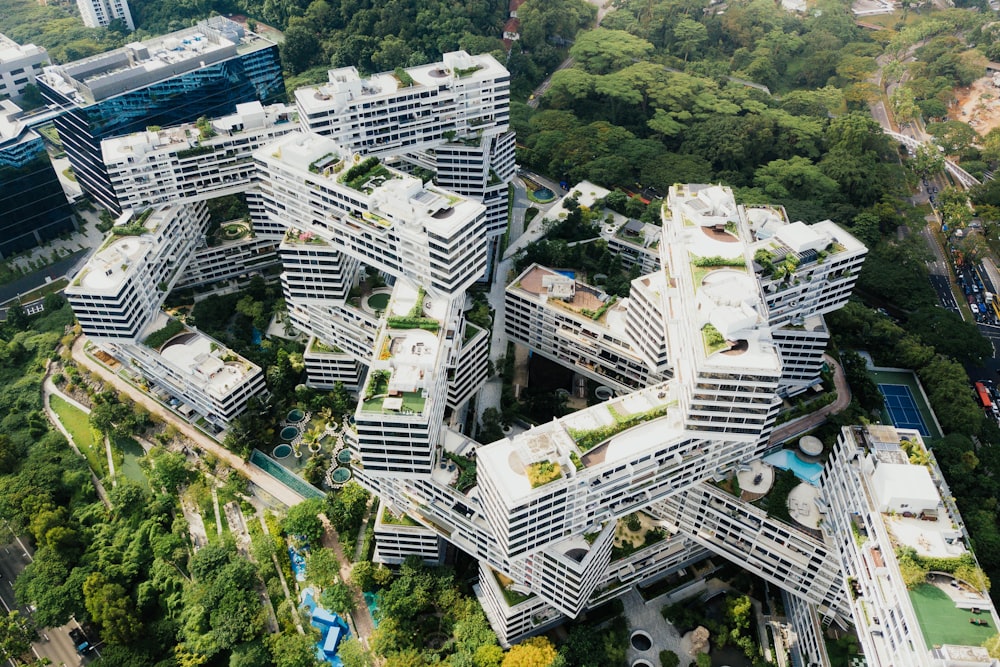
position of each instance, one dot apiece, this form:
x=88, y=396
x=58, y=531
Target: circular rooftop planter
x=641, y=641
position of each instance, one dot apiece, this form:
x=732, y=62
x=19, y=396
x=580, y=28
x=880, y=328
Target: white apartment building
x=889, y=503
x=451, y=118
x=120, y=289
x=117, y=296
x=100, y=13
x=805, y=272
x=194, y=161
x=576, y=325
x=19, y=65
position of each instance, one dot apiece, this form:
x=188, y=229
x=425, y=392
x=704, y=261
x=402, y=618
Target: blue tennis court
x=902, y=408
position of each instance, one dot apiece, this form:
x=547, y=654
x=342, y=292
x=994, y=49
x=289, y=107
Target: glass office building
x=201, y=71
x=33, y=206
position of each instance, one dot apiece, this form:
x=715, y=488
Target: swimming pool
x=787, y=460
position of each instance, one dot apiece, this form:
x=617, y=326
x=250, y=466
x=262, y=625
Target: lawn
x=943, y=623
x=77, y=423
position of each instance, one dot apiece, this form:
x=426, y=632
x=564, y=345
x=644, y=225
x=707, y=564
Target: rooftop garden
x=599, y=313
x=414, y=319
x=590, y=438
x=461, y=72
x=543, y=472
x=194, y=151
x=303, y=237
x=401, y=519
x=714, y=341
x=511, y=596
x=319, y=346
x=156, y=339
x=323, y=163
x=377, y=392
x=403, y=77
x=358, y=176
x=134, y=228
x=467, y=475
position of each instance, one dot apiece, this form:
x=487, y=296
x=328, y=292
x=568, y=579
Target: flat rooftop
x=706, y=256
x=345, y=86
x=140, y=64
x=249, y=117
x=409, y=352
x=393, y=198
x=602, y=434
x=117, y=258
x=205, y=361
x=11, y=51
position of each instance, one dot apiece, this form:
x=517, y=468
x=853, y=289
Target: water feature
x=371, y=601
x=786, y=459
x=344, y=456
x=277, y=471
x=341, y=475
x=289, y=432
x=544, y=195
x=296, y=415
x=281, y=451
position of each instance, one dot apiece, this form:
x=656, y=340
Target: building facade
x=204, y=71
x=100, y=13
x=33, y=205
x=117, y=297
x=19, y=65
x=450, y=119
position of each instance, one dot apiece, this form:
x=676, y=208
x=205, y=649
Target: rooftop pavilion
x=207, y=363
x=140, y=64
x=345, y=85
x=248, y=116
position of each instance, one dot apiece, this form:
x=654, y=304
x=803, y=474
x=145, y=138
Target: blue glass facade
x=33, y=207
x=211, y=91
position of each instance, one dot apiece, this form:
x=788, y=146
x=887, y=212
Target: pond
x=296, y=415
x=282, y=451
x=341, y=475
x=344, y=456
x=289, y=432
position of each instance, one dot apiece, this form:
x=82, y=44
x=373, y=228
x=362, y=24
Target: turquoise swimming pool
x=786, y=459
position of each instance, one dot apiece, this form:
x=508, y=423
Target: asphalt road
x=54, y=643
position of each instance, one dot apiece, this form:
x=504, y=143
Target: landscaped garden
x=77, y=424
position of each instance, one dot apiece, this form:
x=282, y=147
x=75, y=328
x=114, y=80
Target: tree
x=300, y=49
x=797, y=178
x=363, y=575
x=52, y=302
x=689, y=35
x=17, y=318
x=703, y=660
x=337, y=598
x=167, y=470
x=303, y=519
x=353, y=653
x=533, y=652
x=953, y=136
x=669, y=659
x=488, y=655
x=926, y=161
x=111, y=607
x=291, y=649
x=16, y=636
x=323, y=567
